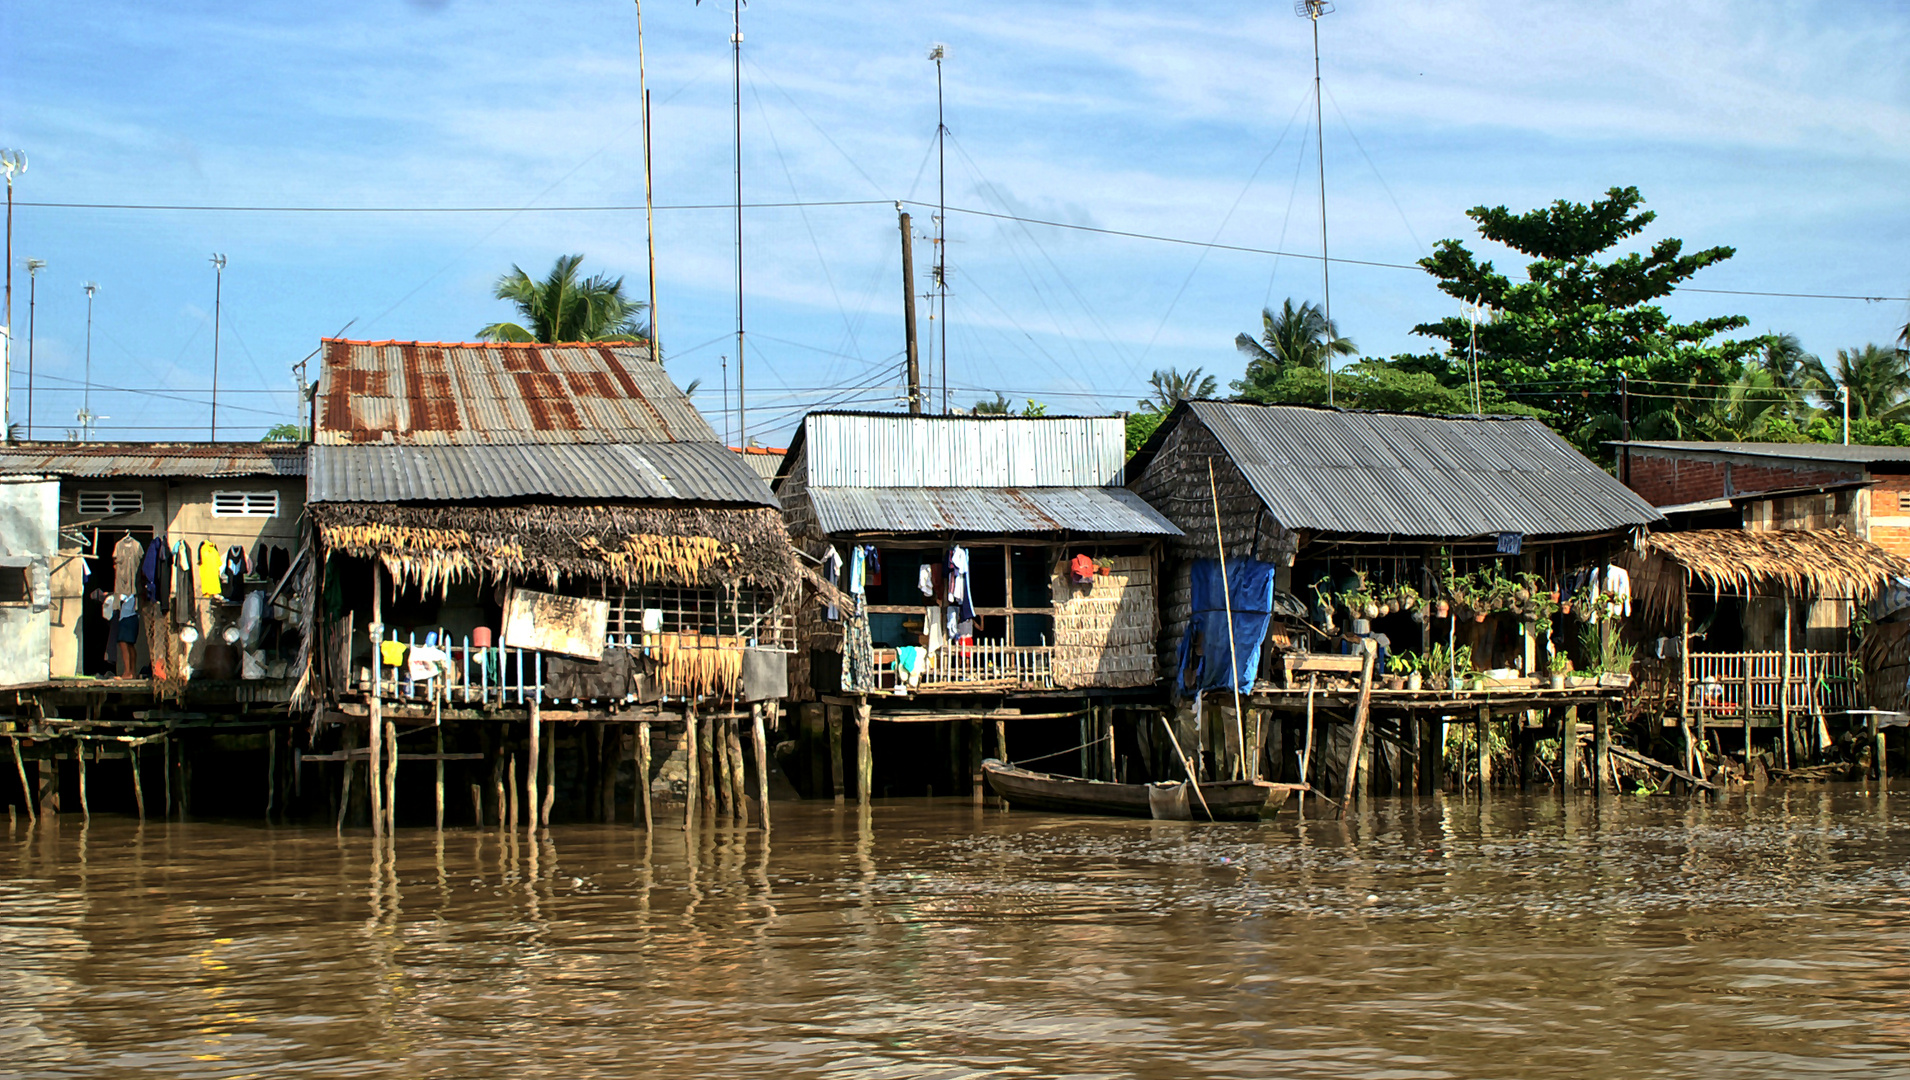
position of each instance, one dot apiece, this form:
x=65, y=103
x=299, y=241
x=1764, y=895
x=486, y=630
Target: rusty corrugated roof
x=595, y=472
x=135, y=460
x=1104, y=511
x=485, y=393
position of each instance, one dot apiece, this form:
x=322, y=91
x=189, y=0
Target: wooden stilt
x=759, y=740
x=391, y=775
x=693, y=791
x=1437, y=752
x=643, y=772
x=1784, y=688
x=1528, y=751
x=1414, y=728
x=706, y=737
x=1482, y=742
x=550, y=781
x=26, y=789
x=139, y=788
x=1001, y=741
x=375, y=731
x=1601, y=747
x=719, y=778
x=79, y=764
x=865, y=754
x=1360, y=711
x=739, y=776
x=271, y=770
x=438, y=787
x=349, y=740
x=1881, y=767
x=833, y=715
x=532, y=758
x=499, y=791
x=1106, y=729
x=976, y=787
x=165, y=779
x=607, y=762
x=477, y=804
x=510, y=789
x=1568, y=749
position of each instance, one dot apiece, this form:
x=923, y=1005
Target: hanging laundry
x=183, y=583
x=280, y=565
x=155, y=570
x=908, y=665
x=873, y=561
x=1618, y=584
x=832, y=573
x=858, y=651
x=925, y=579
x=858, y=563
x=126, y=556
x=934, y=626
x=1081, y=570
x=232, y=575
x=391, y=653
x=210, y=563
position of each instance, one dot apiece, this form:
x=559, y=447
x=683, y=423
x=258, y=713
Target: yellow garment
x=210, y=562
x=391, y=653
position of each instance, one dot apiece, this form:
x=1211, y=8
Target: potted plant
x=1397, y=667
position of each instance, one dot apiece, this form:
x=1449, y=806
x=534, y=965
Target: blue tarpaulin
x=1250, y=588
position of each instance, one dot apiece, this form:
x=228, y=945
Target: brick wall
x=1663, y=479
x=1890, y=512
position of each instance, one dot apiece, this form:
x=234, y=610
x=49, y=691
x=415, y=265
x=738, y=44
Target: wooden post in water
x=1107, y=745
x=1001, y=741
x=477, y=804
x=347, y=739
x=139, y=789
x=1367, y=653
x=1438, y=752
x=739, y=776
x=532, y=757
x=271, y=769
x=438, y=790
x=643, y=773
x=79, y=763
x=26, y=789
x=1747, y=715
x=1784, y=686
x=498, y=789
x=832, y=716
x=1601, y=746
x=1877, y=748
x=760, y=743
x=375, y=727
x=550, y=781
x=720, y=747
x=391, y=775
x=706, y=739
x=510, y=787
x=865, y=754
x=1482, y=743
x=1692, y=765
x=691, y=766
x=976, y=787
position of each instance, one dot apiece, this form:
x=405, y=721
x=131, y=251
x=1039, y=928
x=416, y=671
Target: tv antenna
x=218, y=295
x=86, y=416
x=939, y=52
x=1311, y=10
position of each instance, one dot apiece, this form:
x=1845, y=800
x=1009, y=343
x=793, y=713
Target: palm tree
x=566, y=307
x=1744, y=411
x=998, y=407
x=1295, y=337
x=1877, y=379
x=1171, y=388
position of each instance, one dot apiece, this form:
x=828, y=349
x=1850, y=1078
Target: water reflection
x=1424, y=936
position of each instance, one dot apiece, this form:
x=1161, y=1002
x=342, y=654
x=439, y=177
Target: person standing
x=125, y=629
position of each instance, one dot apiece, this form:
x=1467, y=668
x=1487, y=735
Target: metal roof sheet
x=992, y=511
x=155, y=460
x=1396, y=474
x=766, y=461
x=864, y=450
x=1853, y=455
x=424, y=393
x=699, y=472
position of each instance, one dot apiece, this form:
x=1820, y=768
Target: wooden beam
x=1367, y=652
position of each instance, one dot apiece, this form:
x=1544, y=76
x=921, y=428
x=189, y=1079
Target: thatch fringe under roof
x=1815, y=563
x=695, y=547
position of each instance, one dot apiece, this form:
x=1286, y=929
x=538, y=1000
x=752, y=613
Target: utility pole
x=34, y=266
x=649, y=206
x=1312, y=10
x=736, y=69
x=1624, y=427
x=86, y=399
x=938, y=53
x=908, y=314
x=12, y=162
x=218, y=295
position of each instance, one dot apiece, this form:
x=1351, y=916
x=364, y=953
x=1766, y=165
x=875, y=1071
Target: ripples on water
x=937, y=939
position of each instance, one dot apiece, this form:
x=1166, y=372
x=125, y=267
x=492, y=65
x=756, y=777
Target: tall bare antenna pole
x=649, y=205
x=34, y=266
x=86, y=398
x=937, y=53
x=12, y=162
x=218, y=296
x=1312, y=10
x=736, y=66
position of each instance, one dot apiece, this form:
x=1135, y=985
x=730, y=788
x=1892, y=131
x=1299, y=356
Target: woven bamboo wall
x=1104, y=633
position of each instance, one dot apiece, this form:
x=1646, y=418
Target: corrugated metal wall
x=923, y=451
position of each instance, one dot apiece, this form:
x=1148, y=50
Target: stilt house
x=1400, y=568
x=527, y=533
x=992, y=568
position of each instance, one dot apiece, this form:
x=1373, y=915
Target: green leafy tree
x=283, y=433
x=1877, y=378
x=1561, y=336
x=1387, y=385
x=1141, y=427
x=1001, y=406
x=1171, y=388
x=1293, y=337
x=565, y=306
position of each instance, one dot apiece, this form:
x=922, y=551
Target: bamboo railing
x=1721, y=684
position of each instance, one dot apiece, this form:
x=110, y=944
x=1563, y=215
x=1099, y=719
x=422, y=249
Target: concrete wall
x=177, y=509
x=29, y=543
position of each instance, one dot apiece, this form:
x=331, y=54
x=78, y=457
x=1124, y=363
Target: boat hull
x=1230, y=800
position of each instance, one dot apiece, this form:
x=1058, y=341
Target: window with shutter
x=110, y=503
x=245, y=504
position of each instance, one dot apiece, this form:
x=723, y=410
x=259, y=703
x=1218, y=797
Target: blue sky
x=1781, y=129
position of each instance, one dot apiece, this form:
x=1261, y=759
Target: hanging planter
x=1441, y=609
x=1479, y=616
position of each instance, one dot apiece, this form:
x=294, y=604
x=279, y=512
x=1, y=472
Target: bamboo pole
x=139, y=787
x=1187, y=765
x=739, y=779
x=271, y=770
x=499, y=793
x=643, y=773
x=832, y=717
x=865, y=754
x=550, y=780
x=977, y=786
x=1360, y=714
x=26, y=789
x=1784, y=686
x=510, y=788
x=759, y=738
x=347, y=739
x=1482, y=747
x=376, y=726
x=1227, y=602
x=1306, y=749
x=438, y=790
x=477, y=804
x=1692, y=764
x=1601, y=747
x=1107, y=746
x=532, y=757
x=692, y=791
x=391, y=775
x=79, y=763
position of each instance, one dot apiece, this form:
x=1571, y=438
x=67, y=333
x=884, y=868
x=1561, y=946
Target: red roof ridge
x=490, y=344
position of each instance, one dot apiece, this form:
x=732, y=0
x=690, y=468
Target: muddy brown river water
x=1760, y=937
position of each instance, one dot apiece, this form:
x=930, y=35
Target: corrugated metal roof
x=766, y=461
x=700, y=472
x=1394, y=474
x=1854, y=455
x=865, y=450
x=425, y=393
x=135, y=460
x=992, y=511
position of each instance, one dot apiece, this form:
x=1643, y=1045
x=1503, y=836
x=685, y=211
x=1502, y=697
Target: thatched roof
x=1817, y=563
x=696, y=547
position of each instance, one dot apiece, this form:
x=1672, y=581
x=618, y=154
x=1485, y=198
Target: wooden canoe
x=1229, y=800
